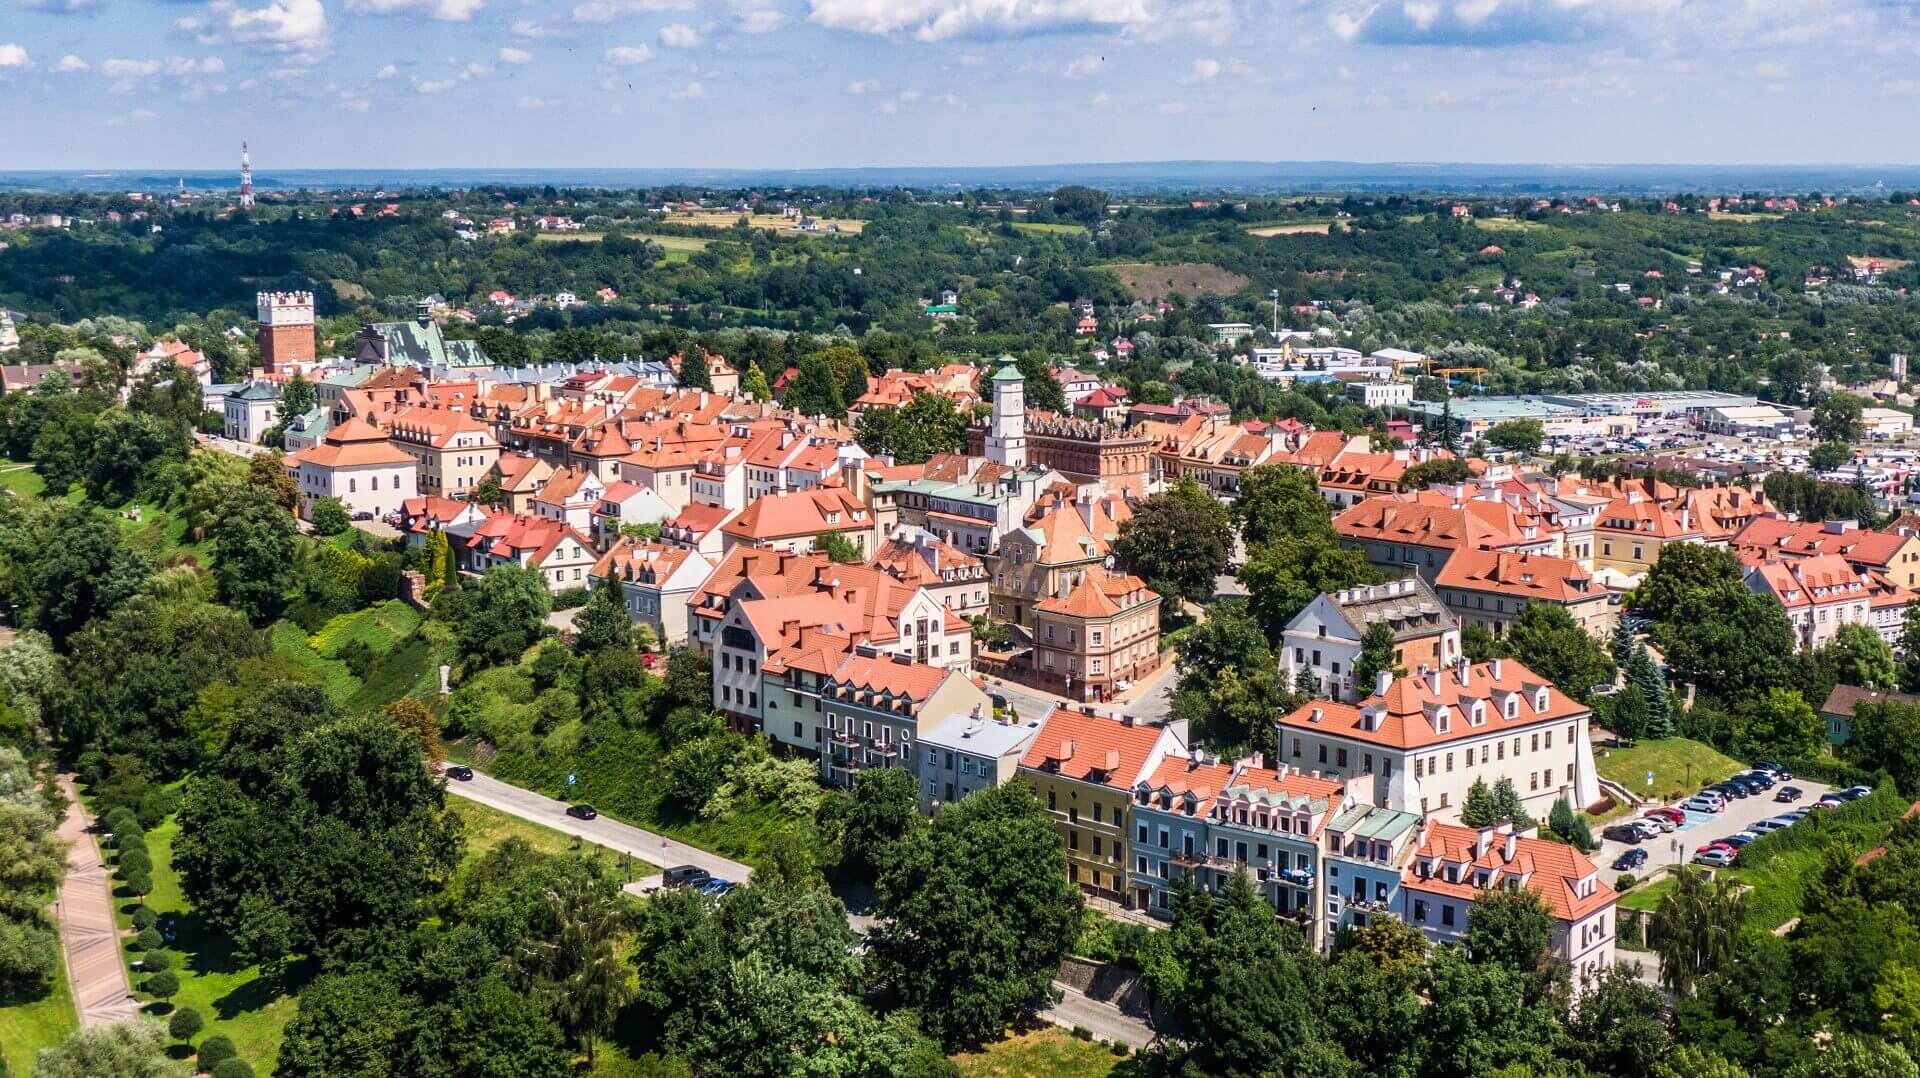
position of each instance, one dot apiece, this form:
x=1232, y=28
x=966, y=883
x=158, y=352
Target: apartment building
x=1367, y=850
x=656, y=580
x=1084, y=767
x=968, y=753
x=876, y=708
x=1170, y=816
x=454, y=450
x=1324, y=640
x=1096, y=638
x=1489, y=589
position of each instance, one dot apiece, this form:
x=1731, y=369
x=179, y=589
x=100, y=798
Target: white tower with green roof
x=1007, y=438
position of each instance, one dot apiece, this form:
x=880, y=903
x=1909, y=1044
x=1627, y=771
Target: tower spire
x=246, y=177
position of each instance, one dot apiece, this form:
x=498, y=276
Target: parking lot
x=1701, y=828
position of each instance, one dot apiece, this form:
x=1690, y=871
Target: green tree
x=1547, y=640
x=1517, y=435
x=1510, y=927
x=1484, y=1016
x=255, y=547
x=185, y=1024
x=977, y=914
x=487, y=492
x=884, y=814
x=329, y=516
x=126, y=449
x=1684, y=568
x=1376, y=655
x=1838, y=418
x=500, y=617
x=1616, y=1025
x=928, y=424
x=576, y=968
x=815, y=389
x=1849, y=1056
x=838, y=548
x=128, y=1049
x=1779, y=724
x=1178, y=542
x=1280, y=501
x=1859, y=655
x=604, y=622
x=1829, y=456
x=1447, y=470
x=1886, y=736
x=1695, y=929
x=694, y=372
x=753, y=383
x=1728, y=641
x=348, y=1025
x=1479, y=809
x=1284, y=575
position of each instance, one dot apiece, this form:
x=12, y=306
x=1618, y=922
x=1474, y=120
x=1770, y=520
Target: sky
x=156, y=84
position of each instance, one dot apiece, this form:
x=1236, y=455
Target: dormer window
x=1513, y=707
x=1479, y=714
x=1540, y=700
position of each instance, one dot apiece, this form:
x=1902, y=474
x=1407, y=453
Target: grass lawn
x=22, y=480
x=29, y=1027
x=235, y=1000
x=486, y=828
x=1049, y=1053
x=1679, y=765
x=1649, y=896
x=674, y=243
x=1044, y=227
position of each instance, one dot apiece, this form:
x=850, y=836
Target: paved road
x=1103, y=1020
x=656, y=850
x=85, y=911
x=1703, y=827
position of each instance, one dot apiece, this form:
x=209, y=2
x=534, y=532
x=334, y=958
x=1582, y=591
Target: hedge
x=1864, y=823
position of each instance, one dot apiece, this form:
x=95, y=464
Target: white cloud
x=61, y=7
x=938, y=20
x=531, y=104
x=1205, y=69
x=1102, y=100
x=433, y=86
x=386, y=72
x=515, y=56
x=129, y=69
x=474, y=71
x=628, y=55
x=678, y=35
x=444, y=10
x=1900, y=88
x=1423, y=13
x=71, y=63
x=690, y=91
x=136, y=116
x=864, y=86
x=609, y=10
x=1770, y=70
x=758, y=16
x=529, y=28
x=285, y=24
x=1085, y=66
x=13, y=56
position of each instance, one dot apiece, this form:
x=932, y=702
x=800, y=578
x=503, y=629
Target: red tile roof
x=1410, y=715
x=1092, y=749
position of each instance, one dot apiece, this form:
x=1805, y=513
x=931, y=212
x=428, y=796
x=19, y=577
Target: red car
x=1678, y=816
x=1716, y=845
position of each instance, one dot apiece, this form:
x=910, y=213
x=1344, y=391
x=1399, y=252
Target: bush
x=144, y=918
x=233, y=1068
x=1625, y=882
x=329, y=516
x=185, y=1024
x=156, y=962
x=570, y=599
x=162, y=984
x=137, y=883
x=215, y=1050
x=134, y=860
x=148, y=940
x=1862, y=823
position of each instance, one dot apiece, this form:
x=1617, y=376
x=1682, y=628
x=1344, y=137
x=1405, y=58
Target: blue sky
x=808, y=83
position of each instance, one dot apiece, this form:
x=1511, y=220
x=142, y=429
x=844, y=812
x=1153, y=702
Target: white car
x=1702, y=804
x=1660, y=822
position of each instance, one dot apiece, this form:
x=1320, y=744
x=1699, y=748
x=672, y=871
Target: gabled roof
x=1093, y=749
x=1528, y=576
x=353, y=444
x=796, y=513
x=1410, y=715
x=1099, y=593
x=1768, y=535
x=1563, y=877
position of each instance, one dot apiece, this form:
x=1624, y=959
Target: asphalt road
x=1677, y=847
x=656, y=850
x=1103, y=1020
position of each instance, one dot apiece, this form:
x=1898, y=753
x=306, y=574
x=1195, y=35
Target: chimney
x=1259, y=760
x=1382, y=681
x=1483, y=839
x=1433, y=682
x=1494, y=668
x=1314, y=715
x=1512, y=844
x=1465, y=671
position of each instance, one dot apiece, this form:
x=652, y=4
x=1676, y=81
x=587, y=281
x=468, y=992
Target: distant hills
x=1136, y=177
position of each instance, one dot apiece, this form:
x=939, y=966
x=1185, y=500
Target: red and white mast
x=246, y=177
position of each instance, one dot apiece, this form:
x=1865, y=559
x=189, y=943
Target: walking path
x=85, y=912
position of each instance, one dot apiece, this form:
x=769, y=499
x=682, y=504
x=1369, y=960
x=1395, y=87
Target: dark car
x=1775, y=768
x=1629, y=859
x=686, y=876
x=582, y=812
x=460, y=771
x=1728, y=789
x=1625, y=832
x=1789, y=794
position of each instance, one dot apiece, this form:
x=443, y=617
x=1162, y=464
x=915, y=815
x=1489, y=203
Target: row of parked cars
x=1722, y=852
x=1726, y=851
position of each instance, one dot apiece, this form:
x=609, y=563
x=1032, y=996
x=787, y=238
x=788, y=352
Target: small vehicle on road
x=685, y=876
x=1663, y=822
x=1717, y=857
x=1629, y=860
x=716, y=887
x=1702, y=804
x=582, y=812
x=460, y=771
x=1787, y=795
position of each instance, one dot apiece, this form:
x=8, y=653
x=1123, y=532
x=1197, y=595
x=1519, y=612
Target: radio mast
x=246, y=178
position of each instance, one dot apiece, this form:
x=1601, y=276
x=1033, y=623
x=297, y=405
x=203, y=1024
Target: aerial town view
x=959, y=539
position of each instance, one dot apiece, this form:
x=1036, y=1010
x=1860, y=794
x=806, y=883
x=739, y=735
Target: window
x=1449, y=762
x=1419, y=911
x=1446, y=915
x=1323, y=754
x=1143, y=834
x=1340, y=758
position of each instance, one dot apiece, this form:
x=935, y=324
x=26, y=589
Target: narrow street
x=656, y=850
x=84, y=910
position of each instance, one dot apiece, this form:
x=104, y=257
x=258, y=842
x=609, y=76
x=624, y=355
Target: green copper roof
x=1008, y=372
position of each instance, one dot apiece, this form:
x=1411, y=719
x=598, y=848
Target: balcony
x=1295, y=877
x=886, y=751
x=844, y=739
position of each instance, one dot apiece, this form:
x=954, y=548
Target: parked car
x=1676, y=815
x=1629, y=860
x=1767, y=827
x=1703, y=804
x=1717, y=857
x=1729, y=790
x=1775, y=768
x=1664, y=823
x=1787, y=795
x=716, y=887
x=1755, y=780
x=1738, y=839
x=1855, y=793
x=460, y=771
x=1624, y=832
x=685, y=876
x=582, y=812
x=1798, y=814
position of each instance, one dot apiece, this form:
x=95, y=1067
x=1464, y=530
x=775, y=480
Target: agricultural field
x=1303, y=228
x=770, y=222
x=1149, y=281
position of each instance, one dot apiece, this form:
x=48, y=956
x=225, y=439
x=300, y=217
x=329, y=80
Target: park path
x=85, y=911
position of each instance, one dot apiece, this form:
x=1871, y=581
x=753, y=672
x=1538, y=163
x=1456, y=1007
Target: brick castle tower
x=286, y=328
